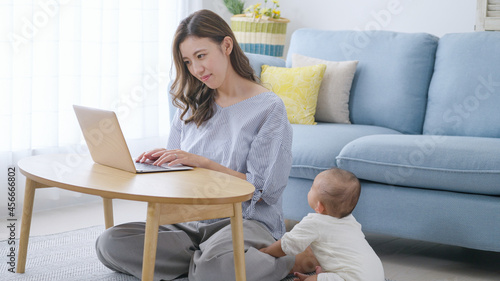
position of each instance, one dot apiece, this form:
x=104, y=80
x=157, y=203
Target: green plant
x=235, y=6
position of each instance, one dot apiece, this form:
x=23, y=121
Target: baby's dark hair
x=339, y=192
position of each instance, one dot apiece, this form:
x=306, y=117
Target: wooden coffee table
x=172, y=197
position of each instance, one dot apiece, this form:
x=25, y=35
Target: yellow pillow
x=298, y=87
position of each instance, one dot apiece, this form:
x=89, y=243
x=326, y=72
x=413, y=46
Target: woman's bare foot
x=304, y=277
x=305, y=262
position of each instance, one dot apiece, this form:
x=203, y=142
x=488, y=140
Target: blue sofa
x=424, y=138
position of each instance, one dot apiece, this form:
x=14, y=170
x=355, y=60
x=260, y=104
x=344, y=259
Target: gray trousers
x=202, y=251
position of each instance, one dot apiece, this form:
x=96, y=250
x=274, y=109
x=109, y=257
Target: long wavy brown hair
x=188, y=92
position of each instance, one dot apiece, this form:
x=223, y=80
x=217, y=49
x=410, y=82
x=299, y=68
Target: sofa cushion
x=298, y=87
x=333, y=96
x=464, y=95
x=460, y=164
x=392, y=77
x=314, y=148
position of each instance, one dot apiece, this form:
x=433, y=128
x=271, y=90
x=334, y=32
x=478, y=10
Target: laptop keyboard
x=149, y=167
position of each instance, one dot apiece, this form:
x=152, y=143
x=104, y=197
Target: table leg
x=29, y=197
x=238, y=243
x=108, y=212
x=150, y=242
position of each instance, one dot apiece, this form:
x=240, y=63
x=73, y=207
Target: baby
x=332, y=232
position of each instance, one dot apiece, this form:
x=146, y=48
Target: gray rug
x=63, y=256
x=68, y=256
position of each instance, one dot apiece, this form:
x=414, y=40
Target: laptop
x=107, y=144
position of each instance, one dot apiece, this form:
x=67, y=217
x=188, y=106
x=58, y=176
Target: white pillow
x=335, y=89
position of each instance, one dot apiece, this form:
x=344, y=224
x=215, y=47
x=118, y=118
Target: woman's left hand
x=177, y=156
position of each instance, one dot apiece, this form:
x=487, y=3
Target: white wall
x=436, y=17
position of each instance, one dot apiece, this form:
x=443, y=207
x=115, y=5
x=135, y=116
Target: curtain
x=109, y=54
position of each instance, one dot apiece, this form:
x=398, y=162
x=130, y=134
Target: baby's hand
x=264, y=250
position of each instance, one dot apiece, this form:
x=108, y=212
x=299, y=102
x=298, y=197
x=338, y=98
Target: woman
x=227, y=122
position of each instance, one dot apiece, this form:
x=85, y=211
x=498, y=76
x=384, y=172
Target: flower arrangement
x=257, y=11
x=254, y=11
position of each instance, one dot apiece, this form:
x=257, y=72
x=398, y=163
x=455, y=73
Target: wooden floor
x=403, y=260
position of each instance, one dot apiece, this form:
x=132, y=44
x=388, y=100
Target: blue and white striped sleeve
x=174, y=137
x=270, y=158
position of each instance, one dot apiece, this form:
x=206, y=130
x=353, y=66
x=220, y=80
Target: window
x=110, y=54
x=488, y=15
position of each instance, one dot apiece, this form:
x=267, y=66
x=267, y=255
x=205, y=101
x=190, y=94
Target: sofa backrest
x=256, y=62
x=464, y=95
x=392, y=77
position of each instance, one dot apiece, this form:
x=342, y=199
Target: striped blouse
x=253, y=137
